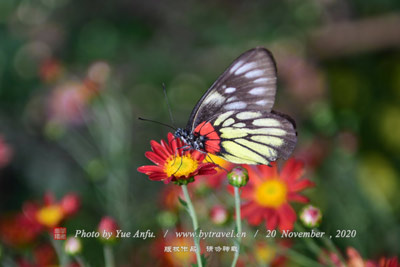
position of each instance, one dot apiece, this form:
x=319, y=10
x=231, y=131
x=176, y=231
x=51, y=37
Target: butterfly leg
x=176, y=151
x=219, y=166
x=185, y=148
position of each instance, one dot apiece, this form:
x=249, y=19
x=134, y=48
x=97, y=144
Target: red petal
x=247, y=192
x=197, y=155
x=174, y=144
x=166, y=147
x=287, y=217
x=268, y=172
x=155, y=158
x=255, y=218
x=292, y=170
x=255, y=177
x=149, y=169
x=208, y=165
x=301, y=185
x=271, y=218
x=205, y=171
x=159, y=149
x=298, y=198
x=247, y=208
x=158, y=177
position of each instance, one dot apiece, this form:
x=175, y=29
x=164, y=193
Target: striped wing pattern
x=254, y=137
x=249, y=83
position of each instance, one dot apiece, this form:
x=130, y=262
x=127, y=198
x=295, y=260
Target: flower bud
x=311, y=216
x=219, y=215
x=70, y=204
x=108, y=225
x=238, y=177
x=72, y=246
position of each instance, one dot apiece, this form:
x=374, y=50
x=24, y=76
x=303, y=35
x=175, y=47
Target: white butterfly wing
x=249, y=83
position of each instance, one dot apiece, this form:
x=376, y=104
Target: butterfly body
x=234, y=118
x=193, y=141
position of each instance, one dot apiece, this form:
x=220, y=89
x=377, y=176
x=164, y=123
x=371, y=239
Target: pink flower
x=5, y=153
x=311, y=216
x=108, y=224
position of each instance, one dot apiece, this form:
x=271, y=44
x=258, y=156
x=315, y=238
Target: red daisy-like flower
x=269, y=193
x=173, y=163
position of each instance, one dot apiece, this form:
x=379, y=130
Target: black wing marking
x=249, y=83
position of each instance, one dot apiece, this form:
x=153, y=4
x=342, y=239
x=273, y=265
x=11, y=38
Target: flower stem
x=238, y=226
x=62, y=257
x=108, y=256
x=80, y=261
x=192, y=214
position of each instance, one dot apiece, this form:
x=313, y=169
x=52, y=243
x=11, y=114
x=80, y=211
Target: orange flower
x=269, y=193
x=51, y=213
x=173, y=163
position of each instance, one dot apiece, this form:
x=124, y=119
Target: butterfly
x=234, y=118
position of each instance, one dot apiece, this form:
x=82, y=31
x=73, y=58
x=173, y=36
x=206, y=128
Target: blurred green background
x=339, y=78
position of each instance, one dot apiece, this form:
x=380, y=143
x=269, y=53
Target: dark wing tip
x=261, y=49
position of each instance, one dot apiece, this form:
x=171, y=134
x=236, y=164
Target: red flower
x=51, y=213
x=389, y=262
x=18, y=230
x=173, y=163
x=5, y=153
x=269, y=194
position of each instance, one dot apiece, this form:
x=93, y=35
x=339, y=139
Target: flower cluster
x=266, y=192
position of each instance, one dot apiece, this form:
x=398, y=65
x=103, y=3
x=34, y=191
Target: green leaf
x=203, y=259
x=183, y=202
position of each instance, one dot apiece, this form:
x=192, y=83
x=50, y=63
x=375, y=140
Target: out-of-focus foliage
x=75, y=75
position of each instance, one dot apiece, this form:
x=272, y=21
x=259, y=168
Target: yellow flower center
x=271, y=193
x=265, y=254
x=180, y=166
x=50, y=216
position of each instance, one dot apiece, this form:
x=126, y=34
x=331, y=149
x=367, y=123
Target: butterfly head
x=193, y=140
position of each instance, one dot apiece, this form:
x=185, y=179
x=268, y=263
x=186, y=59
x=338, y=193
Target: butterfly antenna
x=169, y=107
x=142, y=119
